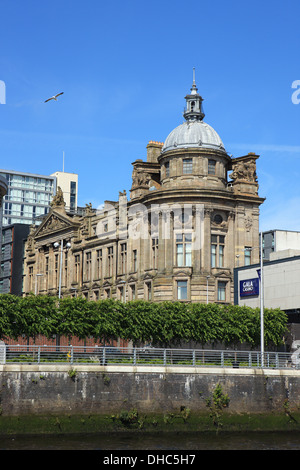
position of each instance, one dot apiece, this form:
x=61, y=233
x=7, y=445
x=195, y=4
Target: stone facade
x=179, y=236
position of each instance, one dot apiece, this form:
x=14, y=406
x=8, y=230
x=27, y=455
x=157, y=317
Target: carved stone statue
x=58, y=199
x=244, y=170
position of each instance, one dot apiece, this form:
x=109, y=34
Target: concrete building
x=26, y=201
x=280, y=240
x=281, y=282
x=68, y=182
x=178, y=237
x=12, y=258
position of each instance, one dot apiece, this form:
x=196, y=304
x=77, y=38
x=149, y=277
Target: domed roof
x=193, y=134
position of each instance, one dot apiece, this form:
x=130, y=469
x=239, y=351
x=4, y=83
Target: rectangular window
x=211, y=167
x=221, y=291
x=121, y=292
x=167, y=168
x=77, y=268
x=184, y=249
x=47, y=271
x=30, y=278
x=154, y=252
x=66, y=268
x=187, y=167
x=182, y=290
x=148, y=287
x=123, y=257
x=247, y=256
x=110, y=257
x=217, y=251
x=132, y=291
x=88, y=265
x=56, y=271
x=99, y=264
x=134, y=260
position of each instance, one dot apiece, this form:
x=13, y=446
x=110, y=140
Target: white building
x=280, y=240
x=68, y=182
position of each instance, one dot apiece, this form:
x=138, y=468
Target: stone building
x=191, y=218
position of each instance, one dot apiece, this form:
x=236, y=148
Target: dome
x=193, y=134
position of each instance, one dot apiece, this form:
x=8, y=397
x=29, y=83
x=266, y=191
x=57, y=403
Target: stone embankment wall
x=63, y=389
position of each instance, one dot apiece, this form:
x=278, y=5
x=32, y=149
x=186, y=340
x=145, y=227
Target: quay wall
x=35, y=389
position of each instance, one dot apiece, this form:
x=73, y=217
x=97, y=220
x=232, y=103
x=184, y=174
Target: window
x=30, y=278
x=182, y=290
x=121, y=293
x=88, y=265
x=77, y=268
x=134, y=260
x=99, y=264
x=66, y=268
x=107, y=293
x=132, y=292
x=184, y=249
x=217, y=251
x=154, y=252
x=123, y=257
x=110, y=257
x=247, y=255
x=221, y=291
x=187, y=166
x=47, y=271
x=73, y=195
x=167, y=168
x=56, y=271
x=148, y=287
x=211, y=167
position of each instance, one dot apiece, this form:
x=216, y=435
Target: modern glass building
x=28, y=196
x=26, y=202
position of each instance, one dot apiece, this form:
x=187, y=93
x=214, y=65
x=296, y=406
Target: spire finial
x=194, y=108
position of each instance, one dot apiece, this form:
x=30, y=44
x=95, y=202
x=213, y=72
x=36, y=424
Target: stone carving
x=52, y=224
x=58, y=199
x=248, y=223
x=140, y=178
x=244, y=170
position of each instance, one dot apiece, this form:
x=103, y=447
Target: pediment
x=54, y=222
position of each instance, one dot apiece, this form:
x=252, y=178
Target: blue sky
x=125, y=67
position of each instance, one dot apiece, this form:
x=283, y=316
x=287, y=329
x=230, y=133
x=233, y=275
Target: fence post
x=134, y=356
x=194, y=357
x=165, y=357
x=39, y=355
x=72, y=357
x=2, y=353
x=222, y=359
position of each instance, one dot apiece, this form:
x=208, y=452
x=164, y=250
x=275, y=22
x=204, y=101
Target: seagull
x=54, y=97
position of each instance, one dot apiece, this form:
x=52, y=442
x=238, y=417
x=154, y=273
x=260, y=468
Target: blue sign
x=249, y=287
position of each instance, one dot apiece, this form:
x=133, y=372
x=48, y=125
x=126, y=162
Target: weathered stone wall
x=34, y=389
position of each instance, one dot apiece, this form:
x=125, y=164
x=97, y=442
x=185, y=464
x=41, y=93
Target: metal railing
x=16, y=354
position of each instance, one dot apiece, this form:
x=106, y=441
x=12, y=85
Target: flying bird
x=54, y=97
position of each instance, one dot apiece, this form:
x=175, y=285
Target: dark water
x=157, y=442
